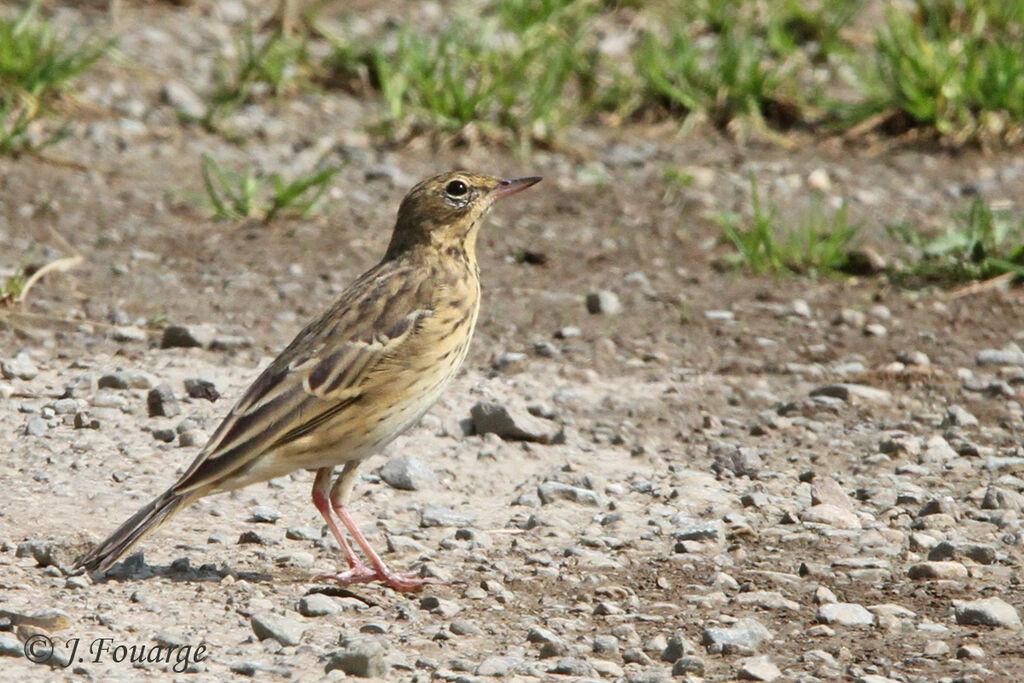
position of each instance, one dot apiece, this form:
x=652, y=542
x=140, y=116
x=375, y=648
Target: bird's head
x=445, y=212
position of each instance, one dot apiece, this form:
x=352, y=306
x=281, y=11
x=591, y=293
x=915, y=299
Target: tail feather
x=105, y=554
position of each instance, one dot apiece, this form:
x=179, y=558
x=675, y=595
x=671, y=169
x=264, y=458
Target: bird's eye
x=456, y=188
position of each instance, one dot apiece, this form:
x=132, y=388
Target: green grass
x=272, y=65
x=37, y=65
x=955, y=68
x=820, y=243
x=239, y=194
x=981, y=243
x=525, y=67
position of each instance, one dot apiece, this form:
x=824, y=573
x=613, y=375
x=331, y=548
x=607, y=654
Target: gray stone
x=282, y=629
x=746, y=635
x=10, y=646
x=513, y=424
x=408, y=473
x=840, y=518
x=957, y=416
x=21, y=367
x=184, y=100
x=827, y=490
x=362, y=656
x=201, y=389
x=572, y=666
x=551, y=491
x=128, y=333
x=987, y=612
x=36, y=426
x=604, y=302
x=758, y=669
x=690, y=664
x=845, y=614
x=1011, y=354
x=263, y=514
x=924, y=571
x=997, y=498
x=854, y=393
x=742, y=462
x=318, y=605
x=192, y=437
x=497, y=665
x=188, y=336
x=436, y=515
x=161, y=402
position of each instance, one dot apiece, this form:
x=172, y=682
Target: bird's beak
x=507, y=187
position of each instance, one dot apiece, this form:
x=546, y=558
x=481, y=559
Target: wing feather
x=322, y=372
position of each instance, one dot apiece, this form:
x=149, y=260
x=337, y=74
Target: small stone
x=36, y=426
x=497, y=665
x=845, y=614
x=572, y=666
x=818, y=180
x=513, y=424
x=161, y=402
x=183, y=99
x=854, y=393
x=832, y=515
x=688, y=665
x=569, y=332
x=408, y=473
x=758, y=669
x=262, y=514
x=165, y=435
x=436, y=515
x=192, y=437
x=970, y=651
x=603, y=302
x=201, y=389
x=997, y=498
x=128, y=333
x=10, y=646
x=1011, y=354
x=362, y=656
x=827, y=490
x=20, y=367
x=318, y=605
x=987, y=612
x=936, y=648
x=282, y=629
x=742, y=462
x=951, y=571
x=551, y=491
x=189, y=336
x=746, y=635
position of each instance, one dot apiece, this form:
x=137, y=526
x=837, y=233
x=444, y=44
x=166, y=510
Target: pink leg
x=322, y=502
x=360, y=573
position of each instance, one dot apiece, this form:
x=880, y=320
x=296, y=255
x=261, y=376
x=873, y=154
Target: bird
x=354, y=378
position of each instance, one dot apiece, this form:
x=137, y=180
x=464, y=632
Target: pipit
x=355, y=378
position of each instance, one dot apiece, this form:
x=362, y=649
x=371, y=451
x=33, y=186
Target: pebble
x=572, y=666
x=201, y=389
x=987, y=612
x=512, y=423
x=318, y=605
x=262, y=514
x=408, y=473
x=191, y=438
x=36, y=426
x=551, y=491
x=128, y=333
x=603, y=302
x=282, y=629
x=497, y=665
x=953, y=571
x=841, y=518
x=689, y=664
x=1011, y=354
x=20, y=367
x=854, y=393
x=183, y=99
x=436, y=515
x=161, y=402
x=759, y=668
x=845, y=614
x=188, y=336
x=362, y=656
x=745, y=636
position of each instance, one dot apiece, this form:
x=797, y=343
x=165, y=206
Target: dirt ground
x=704, y=479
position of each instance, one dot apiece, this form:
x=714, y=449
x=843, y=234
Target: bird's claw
x=407, y=582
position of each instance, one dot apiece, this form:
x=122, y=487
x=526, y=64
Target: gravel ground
x=649, y=470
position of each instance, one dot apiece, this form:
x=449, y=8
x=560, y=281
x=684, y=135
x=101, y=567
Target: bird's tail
x=105, y=554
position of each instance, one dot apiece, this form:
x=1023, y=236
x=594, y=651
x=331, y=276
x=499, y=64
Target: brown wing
x=320, y=373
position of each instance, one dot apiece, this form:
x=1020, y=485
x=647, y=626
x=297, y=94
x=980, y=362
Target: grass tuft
x=235, y=194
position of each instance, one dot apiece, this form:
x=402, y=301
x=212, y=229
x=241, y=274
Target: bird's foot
x=407, y=582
